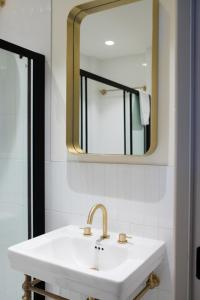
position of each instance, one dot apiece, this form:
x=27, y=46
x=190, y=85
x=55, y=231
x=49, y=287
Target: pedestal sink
x=104, y=270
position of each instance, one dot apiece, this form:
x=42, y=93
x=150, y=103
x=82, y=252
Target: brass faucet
x=105, y=218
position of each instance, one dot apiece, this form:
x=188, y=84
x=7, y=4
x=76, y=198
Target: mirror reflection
x=116, y=80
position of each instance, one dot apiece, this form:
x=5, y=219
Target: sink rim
x=105, y=274
x=110, y=280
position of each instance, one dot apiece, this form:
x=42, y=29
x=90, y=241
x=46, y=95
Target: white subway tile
x=137, y=183
x=151, y=184
x=55, y=187
x=118, y=227
x=152, y=295
x=123, y=182
x=166, y=235
x=111, y=181
x=166, y=205
x=164, y=273
x=144, y=231
x=136, y=197
x=165, y=295
x=56, y=219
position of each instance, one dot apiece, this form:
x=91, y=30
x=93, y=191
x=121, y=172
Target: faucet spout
x=105, y=218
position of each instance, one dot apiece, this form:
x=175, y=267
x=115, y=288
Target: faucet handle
x=123, y=238
x=86, y=231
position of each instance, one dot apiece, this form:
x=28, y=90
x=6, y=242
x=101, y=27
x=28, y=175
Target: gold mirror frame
x=75, y=17
x=2, y=3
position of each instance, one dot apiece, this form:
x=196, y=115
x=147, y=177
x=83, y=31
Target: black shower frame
x=88, y=75
x=36, y=149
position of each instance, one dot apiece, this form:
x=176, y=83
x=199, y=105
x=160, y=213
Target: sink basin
x=106, y=270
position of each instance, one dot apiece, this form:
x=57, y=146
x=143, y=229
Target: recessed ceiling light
x=144, y=64
x=109, y=43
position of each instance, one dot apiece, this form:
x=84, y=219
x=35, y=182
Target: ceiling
x=129, y=26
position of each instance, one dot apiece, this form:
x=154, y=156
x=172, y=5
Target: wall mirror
x=112, y=78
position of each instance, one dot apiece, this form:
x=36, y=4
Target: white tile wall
x=139, y=200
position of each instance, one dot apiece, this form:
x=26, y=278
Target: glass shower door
x=13, y=165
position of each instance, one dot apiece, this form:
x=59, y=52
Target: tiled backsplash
x=139, y=199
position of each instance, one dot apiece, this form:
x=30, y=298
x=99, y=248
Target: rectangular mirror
x=112, y=78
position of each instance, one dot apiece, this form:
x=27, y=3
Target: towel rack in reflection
x=105, y=91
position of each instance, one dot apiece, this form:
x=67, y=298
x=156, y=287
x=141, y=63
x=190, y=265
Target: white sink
x=66, y=258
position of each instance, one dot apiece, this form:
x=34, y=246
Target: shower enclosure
x=102, y=101
x=21, y=156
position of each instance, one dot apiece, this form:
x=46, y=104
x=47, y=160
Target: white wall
x=127, y=70
x=139, y=199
